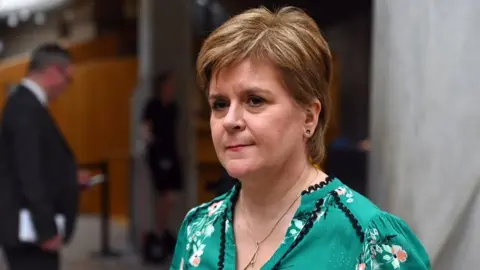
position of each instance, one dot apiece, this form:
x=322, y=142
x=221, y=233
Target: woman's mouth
x=237, y=147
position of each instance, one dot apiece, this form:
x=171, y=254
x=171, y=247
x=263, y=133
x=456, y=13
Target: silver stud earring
x=307, y=132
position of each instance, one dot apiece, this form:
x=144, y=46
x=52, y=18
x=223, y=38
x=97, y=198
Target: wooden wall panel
x=95, y=118
x=10, y=74
x=105, y=46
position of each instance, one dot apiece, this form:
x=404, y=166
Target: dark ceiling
x=325, y=12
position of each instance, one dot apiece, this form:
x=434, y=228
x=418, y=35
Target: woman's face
x=255, y=123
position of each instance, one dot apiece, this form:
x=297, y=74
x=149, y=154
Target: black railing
x=105, y=213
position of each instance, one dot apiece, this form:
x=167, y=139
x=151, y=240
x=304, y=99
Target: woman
x=266, y=76
x=159, y=120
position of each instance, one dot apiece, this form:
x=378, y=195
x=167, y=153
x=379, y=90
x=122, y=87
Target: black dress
x=162, y=156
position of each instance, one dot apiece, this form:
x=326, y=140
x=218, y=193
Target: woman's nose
x=233, y=120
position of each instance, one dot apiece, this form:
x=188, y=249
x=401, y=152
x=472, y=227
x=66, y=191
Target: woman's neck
x=263, y=197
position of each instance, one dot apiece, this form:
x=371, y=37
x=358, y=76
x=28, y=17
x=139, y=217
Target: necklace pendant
x=252, y=262
x=249, y=265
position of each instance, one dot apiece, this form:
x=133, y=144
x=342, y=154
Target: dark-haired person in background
x=38, y=171
x=159, y=121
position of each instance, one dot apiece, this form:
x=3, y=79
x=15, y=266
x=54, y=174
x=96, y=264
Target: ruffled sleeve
x=390, y=244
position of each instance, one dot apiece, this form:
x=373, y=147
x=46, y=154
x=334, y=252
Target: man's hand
x=52, y=245
x=83, y=178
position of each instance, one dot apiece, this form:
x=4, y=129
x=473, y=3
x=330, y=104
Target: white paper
x=26, y=229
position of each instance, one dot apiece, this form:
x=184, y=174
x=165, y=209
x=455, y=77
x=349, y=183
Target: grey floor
x=78, y=255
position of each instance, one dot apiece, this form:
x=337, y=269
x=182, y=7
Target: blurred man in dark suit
x=38, y=171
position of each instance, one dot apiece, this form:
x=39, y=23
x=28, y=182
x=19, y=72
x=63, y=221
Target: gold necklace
x=253, y=260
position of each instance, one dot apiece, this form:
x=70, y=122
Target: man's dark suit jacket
x=38, y=171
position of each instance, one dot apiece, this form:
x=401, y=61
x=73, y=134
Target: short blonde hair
x=287, y=38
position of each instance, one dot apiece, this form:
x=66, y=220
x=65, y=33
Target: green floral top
x=334, y=228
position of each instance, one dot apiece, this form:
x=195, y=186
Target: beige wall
x=425, y=158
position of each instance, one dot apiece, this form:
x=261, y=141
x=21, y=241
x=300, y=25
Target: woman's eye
x=219, y=104
x=255, y=101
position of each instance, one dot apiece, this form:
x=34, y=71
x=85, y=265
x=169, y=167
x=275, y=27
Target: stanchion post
x=105, y=250
x=105, y=211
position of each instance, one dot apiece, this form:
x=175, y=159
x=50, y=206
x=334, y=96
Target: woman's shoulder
x=335, y=195
x=387, y=240
x=211, y=209
x=357, y=205
x=365, y=215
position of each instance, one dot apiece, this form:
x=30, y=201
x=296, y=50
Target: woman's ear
x=311, y=120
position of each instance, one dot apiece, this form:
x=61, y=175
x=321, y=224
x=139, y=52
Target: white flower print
x=227, y=225
x=378, y=252
x=212, y=209
x=209, y=230
x=395, y=256
x=375, y=265
x=373, y=235
x=344, y=191
x=320, y=215
x=298, y=226
x=200, y=229
x=195, y=259
x=294, y=230
x=181, y=264
x=361, y=266
x=341, y=191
